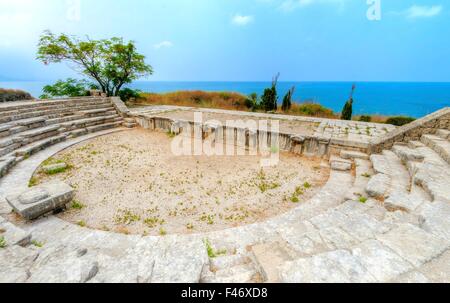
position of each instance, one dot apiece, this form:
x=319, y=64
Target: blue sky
x=242, y=40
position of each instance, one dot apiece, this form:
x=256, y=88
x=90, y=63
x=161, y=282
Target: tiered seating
x=28, y=127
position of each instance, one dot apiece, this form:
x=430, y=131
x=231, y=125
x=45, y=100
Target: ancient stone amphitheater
x=382, y=216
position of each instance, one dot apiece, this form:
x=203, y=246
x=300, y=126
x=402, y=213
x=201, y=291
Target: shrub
x=287, y=100
x=399, y=121
x=252, y=101
x=127, y=93
x=365, y=119
x=2, y=242
x=269, y=100
x=10, y=95
x=311, y=109
x=68, y=88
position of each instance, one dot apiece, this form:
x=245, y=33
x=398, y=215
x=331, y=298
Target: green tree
x=347, y=112
x=68, y=88
x=287, y=100
x=111, y=63
x=269, y=100
x=252, y=101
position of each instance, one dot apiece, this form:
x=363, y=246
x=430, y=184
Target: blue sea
x=414, y=99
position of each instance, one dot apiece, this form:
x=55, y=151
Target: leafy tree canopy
x=68, y=88
x=112, y=63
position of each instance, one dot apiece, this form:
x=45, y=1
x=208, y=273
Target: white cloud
x=418, y=11
x=290, y=5
x=242, y=20
x=163, y=44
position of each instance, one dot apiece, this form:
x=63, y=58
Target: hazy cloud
x=242, y=20
x=163, y=44
x=418, y=11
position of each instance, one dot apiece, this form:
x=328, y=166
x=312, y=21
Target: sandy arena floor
x=130, y=182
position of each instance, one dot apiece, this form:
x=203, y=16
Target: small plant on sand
x=127, y=217
x=171, y=134
x=152, y=222
x=2, y=242
x=33, y=182
x=77, y=205
x=307, y=185
x=366, y=175
x=211, y=252
x=363, y=200
x=37, y=244
x=295, y=199
x=81, y=224
x=162, y=232
x=190, y=226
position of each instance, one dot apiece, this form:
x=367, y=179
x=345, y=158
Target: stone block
x=378, y=186
x=38, y=201
x=402, y=201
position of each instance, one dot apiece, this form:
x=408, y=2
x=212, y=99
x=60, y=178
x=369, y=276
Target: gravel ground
x=131, y=183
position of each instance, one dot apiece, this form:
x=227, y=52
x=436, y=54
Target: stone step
x=38, y=132
x=50, y=104
x=439, y=145
x=15, y=263
x=351, y=155
x=415, y=144
x=363, y=174
x=413, y=244
x=443, y=133
x=407, y=154
x=333, y=267
x=96, y=128
x=39, y=145
x=53, y=112
x=434, y=178
x=340, y=164
x=245, y=273
x=95, y=112
x=87, y=122
x=399, y=174
x=13, y=235
x=268, y=257
x=6, y=164
x=380, y=164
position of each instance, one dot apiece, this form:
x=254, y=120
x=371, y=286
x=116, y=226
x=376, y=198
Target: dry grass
x=7, y=95
x=222, y=100
x=226, y=100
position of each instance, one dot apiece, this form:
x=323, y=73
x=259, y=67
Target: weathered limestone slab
x=38, y=201
x=6, y=164
x=438, y=270
x=63, y=264
x=14, y=235
x=15, y=263
x=411, y=277
x=334, y=267
x=340, y=164
x=407, y=154
x=434, y=178
x=443, y=133
x=348, y=154
x=177, y=265
x=380, y=261
x=378, y=185
x=415, y=144
x=380, y=164
x=414, y=244
x=439, y=145
x=402, y=201
x=435, y=218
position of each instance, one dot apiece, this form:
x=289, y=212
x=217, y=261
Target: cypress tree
x=347, y=112
x=287, y=100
